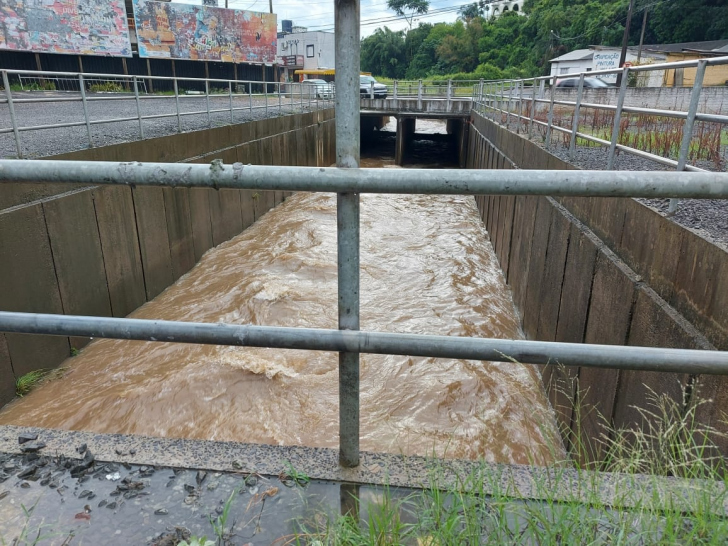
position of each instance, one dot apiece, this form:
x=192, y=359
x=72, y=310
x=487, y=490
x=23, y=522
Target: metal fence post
x=11, y=109
x=551, y=116
x=617, y=119
x=394, y=93
x=520, y=105
x=139, y=107
x=82, y=87
x=265, y=95
x=176, y=104
x=250, y=98
x=230, y=97
x=449, y=94
x=575, y=121
x=533, y=109
x=280, y=107
x=419, y=95
x=508, y=104
x=371, y=90
x=347, y=214
x=682, y=158
x=480, y=96
x=207, y=102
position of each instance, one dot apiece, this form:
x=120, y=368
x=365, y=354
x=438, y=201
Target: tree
x=409, y=7
x=383, y=53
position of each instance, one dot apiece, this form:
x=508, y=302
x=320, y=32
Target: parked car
x=365, y=87
x=593, y=83
x=319, y=88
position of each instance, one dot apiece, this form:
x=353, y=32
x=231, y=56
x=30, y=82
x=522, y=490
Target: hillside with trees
x=518, y=46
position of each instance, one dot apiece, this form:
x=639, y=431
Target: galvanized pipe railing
x=704, y=185
x=347, y=341
x=348, y=182
x=493, y=102
x=138, y=94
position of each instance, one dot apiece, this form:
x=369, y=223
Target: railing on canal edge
x=348, y=181
x=508, y=97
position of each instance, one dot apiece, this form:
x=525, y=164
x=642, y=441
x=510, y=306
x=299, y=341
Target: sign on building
x=293, y=60
x=183, y=31
x=606, y=60
x=77, y=27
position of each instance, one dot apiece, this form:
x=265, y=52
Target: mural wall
x=77, y=27
x=183, y=31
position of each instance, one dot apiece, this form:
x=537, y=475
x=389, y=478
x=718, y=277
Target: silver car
x=320, y=89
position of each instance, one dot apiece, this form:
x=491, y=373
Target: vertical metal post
x=280, y=88
x=82, y=87
x=508, y=103
x=551, y=115
x=480, y=95
x=348, y=128
x=207, y=101
x=533, y=109
x=419, y=95
x=176, y=104
x=11, y=109
x=575, y=121
x=139, y=107
x=617, y=118
x=449, y=93
x=250, y=98
x=230, y=100
x=520, y=105
x=395, y=90
x=265, y=95
x=682, y=158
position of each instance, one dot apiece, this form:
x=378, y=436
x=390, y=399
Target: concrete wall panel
x=201, y=223
x=77, y=256
x=120, y=247
x=7, y=390
x=28, y=283
x=179, y=230
x=153, y=239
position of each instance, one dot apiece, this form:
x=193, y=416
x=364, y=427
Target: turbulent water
x=426, y=267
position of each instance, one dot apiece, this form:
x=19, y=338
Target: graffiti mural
x=79, y=27
x=183, y=31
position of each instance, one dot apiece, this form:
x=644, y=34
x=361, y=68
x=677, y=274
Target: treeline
x=476, y=46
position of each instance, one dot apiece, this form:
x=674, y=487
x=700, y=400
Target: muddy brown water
x=426, y=268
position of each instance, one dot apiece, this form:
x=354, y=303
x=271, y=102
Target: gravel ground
x=39, y=143
x=706, y=217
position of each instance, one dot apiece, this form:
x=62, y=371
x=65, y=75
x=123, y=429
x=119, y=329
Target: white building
x=603, y=58
x=579, y=60
x=308, y=50
x=495, y=8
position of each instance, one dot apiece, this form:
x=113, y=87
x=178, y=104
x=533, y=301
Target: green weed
x=26, y=383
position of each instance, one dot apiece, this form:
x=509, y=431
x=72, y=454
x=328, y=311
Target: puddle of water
x=426, y=268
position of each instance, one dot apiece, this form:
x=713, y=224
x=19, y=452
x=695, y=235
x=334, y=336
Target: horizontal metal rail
x=709, y=185
x=282, y=98
x=499, y=98
x=356, y=341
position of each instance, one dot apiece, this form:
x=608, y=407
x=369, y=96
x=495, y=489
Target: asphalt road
x=45, y=142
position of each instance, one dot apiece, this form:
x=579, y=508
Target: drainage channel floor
x=54, y=500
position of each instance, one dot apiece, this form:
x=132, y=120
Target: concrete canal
x=427, y=267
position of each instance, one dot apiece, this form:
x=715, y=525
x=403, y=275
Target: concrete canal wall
x=606, y=271
x=104, y=251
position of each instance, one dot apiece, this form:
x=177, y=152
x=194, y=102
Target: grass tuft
x=26, y=383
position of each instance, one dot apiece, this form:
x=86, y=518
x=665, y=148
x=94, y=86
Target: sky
x=319, y=14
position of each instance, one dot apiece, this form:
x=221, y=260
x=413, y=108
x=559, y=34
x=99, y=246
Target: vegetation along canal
x=426, y=267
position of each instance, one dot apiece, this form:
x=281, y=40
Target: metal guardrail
x=86, y=88
x=348, y=340
x=507, y=98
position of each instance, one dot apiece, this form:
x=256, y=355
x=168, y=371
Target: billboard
x=606, y=60
x=183, y=31
x=77, y=27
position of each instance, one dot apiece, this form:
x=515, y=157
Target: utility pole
x=625, y=40
x=642, y=35
x=270, y=3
